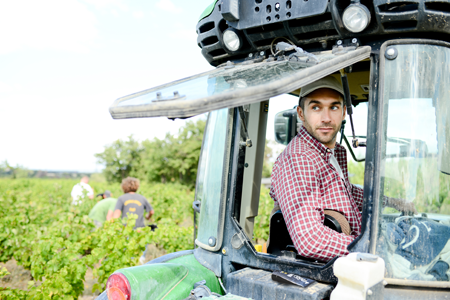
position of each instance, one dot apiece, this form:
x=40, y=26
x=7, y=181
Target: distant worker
x=132, y=203
x=81, y=190
x=104, y=209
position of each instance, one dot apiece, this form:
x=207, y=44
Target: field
x=54, y=250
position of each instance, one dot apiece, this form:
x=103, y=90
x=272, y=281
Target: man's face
x=323, y=115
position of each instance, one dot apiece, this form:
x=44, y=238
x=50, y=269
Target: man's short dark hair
x=301, y=102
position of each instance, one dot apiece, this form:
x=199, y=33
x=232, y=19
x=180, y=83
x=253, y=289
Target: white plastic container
x=357, y=273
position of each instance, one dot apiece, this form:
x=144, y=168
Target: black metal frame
x=246, y=256
x=320, y=28
x=361, y=243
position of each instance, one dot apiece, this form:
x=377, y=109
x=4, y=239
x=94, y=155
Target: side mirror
x=285, y=126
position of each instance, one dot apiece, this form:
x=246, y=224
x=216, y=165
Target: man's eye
x=334, y=108
x=315, y=108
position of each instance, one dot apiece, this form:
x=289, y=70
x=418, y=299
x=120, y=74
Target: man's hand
x=109, y=215
x=117, y=214
x=401, y=205
x=150, y=214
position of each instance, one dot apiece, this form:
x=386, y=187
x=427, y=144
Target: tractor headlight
x=356, y=17
x=232, y=40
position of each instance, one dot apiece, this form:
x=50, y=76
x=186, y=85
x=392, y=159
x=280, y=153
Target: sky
x=63, y=63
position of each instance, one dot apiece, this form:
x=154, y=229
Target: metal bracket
x=176, y=96
x=366, y=257
x=230, y=10
x=248, y=141
x=344, y=46
x=376, y=292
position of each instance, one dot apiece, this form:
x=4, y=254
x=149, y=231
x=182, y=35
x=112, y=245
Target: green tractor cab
x=393, y=58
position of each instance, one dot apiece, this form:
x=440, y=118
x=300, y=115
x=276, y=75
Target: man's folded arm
x=299, y=196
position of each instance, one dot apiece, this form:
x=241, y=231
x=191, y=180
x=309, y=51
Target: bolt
x=339, y=42
x=176, y=94
x=224, y=251
x=369, y=292
x=250, y=55
x=390, y=51
x=354, y=40
x=261, y=53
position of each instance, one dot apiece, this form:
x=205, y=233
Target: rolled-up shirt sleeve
x=297, y=187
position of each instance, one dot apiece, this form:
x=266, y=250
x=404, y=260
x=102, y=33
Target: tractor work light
x=118, y=287
x=232, y=40
x=356, y=17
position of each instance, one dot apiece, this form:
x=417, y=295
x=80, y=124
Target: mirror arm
x=348, y=103
x=342, y=130
x=248, y=141
x=351, y=150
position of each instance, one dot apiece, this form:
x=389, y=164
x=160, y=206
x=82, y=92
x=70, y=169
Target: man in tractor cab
x=310, y=177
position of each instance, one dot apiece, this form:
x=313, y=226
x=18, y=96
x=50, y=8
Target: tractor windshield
x=415, y=163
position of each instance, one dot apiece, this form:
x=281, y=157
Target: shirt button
x=328, y=150
x=321, y=154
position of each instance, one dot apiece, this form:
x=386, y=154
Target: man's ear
x=300, y=113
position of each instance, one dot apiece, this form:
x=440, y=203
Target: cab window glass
x=415, y=164
x=210, y=176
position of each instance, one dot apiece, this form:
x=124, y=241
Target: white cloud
x=46, y=24
x=138, y=14
x=168, y=6
x=101, y=4
x=9, y=88
x=185, y=34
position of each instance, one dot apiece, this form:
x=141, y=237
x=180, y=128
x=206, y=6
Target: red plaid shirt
x=304, y=183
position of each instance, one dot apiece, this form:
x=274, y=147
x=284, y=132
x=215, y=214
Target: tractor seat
x=279, y=238
x=280, y=241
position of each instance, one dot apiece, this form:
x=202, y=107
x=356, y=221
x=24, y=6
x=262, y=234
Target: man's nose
x=326, y=116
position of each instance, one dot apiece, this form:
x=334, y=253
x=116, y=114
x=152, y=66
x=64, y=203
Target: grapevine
x=57, y=241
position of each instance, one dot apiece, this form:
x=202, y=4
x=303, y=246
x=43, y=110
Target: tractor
x=393, y=60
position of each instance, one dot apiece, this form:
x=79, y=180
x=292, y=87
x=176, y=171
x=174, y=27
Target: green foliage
x=356, y=172
x=420, y=178
x=57, y=242
x=121, y=158
x=18, y=171
x=261, y=228
x=267, y=164
x=172, y=159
